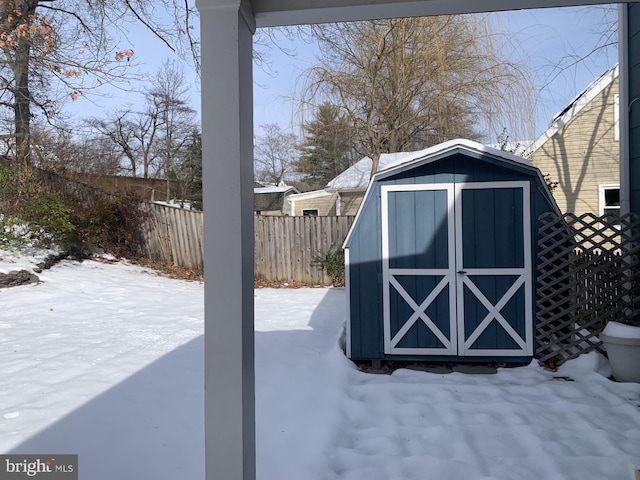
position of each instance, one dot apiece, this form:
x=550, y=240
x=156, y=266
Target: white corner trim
x=347, y=284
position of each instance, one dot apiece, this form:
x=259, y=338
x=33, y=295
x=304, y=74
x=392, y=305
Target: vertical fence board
x=285, y=247
x=174, y=235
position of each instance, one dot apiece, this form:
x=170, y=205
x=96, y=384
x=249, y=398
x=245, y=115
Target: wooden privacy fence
x=587, y=275
x=285, y=247
x=174, y=235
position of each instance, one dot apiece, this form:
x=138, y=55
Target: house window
x=309, y=212
x=610, y=202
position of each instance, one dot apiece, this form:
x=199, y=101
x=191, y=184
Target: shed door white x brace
x=457, y=276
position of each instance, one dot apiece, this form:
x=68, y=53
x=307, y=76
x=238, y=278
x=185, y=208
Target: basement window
x=610, y=202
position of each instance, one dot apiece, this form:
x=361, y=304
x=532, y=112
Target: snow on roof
x=574, y=107
x=356, y=177
x=273, y=189
x=517, y=148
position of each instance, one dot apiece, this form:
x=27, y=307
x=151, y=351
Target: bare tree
x=135, y=135
x=275, y=155
x=413, y=82
x=73, y=44
x=62, y=151
x=94, y=155
x=168, y=102
x=144, y=135
x=187, y=171
x=605, y=30
x=152, y=138
x=122, y=132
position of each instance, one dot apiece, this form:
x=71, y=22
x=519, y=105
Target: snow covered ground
x=106, y=361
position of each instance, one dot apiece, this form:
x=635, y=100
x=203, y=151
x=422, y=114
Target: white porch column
x=227, y=28
x=624, y=108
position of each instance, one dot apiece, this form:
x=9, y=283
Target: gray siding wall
x=634, y=92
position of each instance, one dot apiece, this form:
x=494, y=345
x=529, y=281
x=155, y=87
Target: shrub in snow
x=26, y=203
x=58, y=212
x=332, y=261
x=112, y=224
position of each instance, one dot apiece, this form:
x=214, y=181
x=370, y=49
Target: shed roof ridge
x=356, y=177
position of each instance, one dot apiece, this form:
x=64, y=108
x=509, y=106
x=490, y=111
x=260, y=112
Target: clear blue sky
x=547, y=37
x=559, y=36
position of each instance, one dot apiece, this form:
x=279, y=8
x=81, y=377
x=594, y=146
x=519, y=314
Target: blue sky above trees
x=548, y=39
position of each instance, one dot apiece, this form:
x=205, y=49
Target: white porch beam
x=270, y=13
x=227, y=140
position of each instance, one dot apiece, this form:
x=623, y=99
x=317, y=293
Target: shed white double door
x=457, y=269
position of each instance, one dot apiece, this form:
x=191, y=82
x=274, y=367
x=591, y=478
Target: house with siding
x=580, y=150
x=318, y=203
x=272, y=199
x=344, y=194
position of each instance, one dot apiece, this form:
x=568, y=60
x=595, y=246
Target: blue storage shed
x=440, y=262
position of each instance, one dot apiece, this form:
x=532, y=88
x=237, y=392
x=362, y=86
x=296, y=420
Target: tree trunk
x=22, y=94
x=22, y=111
x=375, y=164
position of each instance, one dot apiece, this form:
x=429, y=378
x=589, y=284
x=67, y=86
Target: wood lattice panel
x=587, y=275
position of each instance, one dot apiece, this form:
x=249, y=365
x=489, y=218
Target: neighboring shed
x=272, y=199
x=440, y=261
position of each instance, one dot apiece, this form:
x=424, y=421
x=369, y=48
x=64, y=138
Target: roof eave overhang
x=272, y=13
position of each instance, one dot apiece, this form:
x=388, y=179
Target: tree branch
x=148, y=25
x=85, y=27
